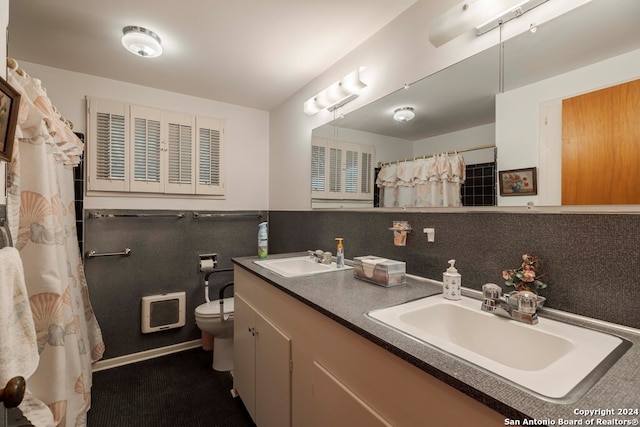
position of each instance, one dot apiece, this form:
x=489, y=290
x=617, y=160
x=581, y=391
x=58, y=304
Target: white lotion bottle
x=451, y=282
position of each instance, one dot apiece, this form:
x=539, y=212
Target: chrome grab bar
x=197, y=215
x=137, y=215
x=93, y=254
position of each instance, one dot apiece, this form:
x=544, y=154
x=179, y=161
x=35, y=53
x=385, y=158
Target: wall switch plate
x=431, y=234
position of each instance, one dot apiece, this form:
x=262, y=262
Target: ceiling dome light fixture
x=141, y=41
x=403, y=114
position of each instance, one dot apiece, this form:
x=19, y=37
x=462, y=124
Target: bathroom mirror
x=462, y=97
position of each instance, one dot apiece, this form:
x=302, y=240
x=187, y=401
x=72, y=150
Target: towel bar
x=137, y=215
x=93, y=254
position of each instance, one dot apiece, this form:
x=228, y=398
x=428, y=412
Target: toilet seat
x=212, y=309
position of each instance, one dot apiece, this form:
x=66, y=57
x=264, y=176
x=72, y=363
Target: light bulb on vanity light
x=404, y=114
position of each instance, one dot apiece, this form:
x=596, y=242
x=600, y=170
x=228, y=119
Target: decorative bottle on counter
x=263, y=243
x=451, y=282
x=340, y=253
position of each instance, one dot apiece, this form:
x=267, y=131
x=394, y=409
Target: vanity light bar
x=336, y=95
x=514, y=12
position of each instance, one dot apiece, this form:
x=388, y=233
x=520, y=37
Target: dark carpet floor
x=177, y=390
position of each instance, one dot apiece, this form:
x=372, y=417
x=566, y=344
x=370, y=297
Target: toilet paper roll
x=207, y=265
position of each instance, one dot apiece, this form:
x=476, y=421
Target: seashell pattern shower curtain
x=41, y=216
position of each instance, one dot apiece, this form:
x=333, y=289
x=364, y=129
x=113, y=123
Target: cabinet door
x=108, y=135
x=273, y=375
x=335, y=405
x=179, y=140
x=244, y=370
x=145, y=151
x=210, y=173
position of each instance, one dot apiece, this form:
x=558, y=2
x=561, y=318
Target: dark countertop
x=345, y=299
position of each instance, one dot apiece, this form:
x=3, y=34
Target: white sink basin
x=298, y=266
x=552, y=359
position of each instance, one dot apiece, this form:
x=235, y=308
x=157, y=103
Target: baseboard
x=144, y=355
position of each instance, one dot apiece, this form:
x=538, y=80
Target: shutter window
x=367, y=177
x=147, y=150
x=351, y=175
x=179, y=153
x=318, y=158
x=209, y=156
x=110, y=146
x=335, y=170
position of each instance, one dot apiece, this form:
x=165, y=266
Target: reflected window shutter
x=209, y=156
x=351, y=178
x=335, y=170
x=367, y=178
x=179, y=140
x=110, y=146
x=147, y=150
x=318, y=158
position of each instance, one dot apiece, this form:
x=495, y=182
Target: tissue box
x=381, y=271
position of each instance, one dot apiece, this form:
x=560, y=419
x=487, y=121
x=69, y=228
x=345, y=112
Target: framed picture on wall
x=9, y=105
x=518, y=182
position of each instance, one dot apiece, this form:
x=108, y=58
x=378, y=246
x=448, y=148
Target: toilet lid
x=213, y=308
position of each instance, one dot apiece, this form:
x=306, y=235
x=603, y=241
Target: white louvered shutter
x=107, y=135
x=146, y=166
x=335, y=170
x=351, y=171
x=318, y=167
x=179, y=140
x=210, y=160
x=366, y=172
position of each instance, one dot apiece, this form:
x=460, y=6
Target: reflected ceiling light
x=336, y=95
x=404, y=114
x=141, y=42
x=483, y=15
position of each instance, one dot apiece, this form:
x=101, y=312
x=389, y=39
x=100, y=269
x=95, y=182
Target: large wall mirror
x=469, y=106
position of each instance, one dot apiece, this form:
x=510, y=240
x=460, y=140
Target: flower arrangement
x=516, y=182
x=526, y=277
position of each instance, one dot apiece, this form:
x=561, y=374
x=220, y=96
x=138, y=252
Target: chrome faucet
x=320, y=256
x=520, y=306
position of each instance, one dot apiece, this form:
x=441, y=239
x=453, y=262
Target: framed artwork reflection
x=9, y=106
x=518, y=182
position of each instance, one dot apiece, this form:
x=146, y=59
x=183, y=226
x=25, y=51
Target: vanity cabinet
x=262, y=371
x=339, y=378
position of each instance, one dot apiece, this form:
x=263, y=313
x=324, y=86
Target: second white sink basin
x=552, y=359
x=298, y=266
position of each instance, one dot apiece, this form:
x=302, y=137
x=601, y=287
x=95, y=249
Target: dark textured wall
x=164, y=258
x=591, y=262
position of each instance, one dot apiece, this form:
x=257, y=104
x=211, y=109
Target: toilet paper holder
x=208, y=262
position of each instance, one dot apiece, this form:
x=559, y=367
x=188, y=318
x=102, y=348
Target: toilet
x=208, y=320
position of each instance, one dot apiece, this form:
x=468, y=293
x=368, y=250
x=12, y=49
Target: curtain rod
x=13, y=65
x=411, y=159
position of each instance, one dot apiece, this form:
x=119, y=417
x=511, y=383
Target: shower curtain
x=41, y=216
x=428, y=182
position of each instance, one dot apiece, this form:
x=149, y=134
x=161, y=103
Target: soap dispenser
x=340, y=253
x=451, y=282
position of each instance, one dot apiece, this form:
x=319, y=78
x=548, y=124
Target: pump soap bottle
x=451, y=282
x=340, y=253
